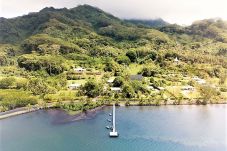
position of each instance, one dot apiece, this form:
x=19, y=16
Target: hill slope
x=149, y=23
x=40, y=54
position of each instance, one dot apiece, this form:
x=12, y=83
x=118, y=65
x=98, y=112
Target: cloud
x=173, y=11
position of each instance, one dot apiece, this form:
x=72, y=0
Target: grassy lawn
x=82, y=82
x=213, y=81
x=176, y=90
x=63, y=95
x=224, y=95
x=134, y=68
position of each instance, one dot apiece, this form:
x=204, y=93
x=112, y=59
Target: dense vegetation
x=39, y=53
x=149, y=23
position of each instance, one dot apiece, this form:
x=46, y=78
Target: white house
x=74, y=86
x=176, y=60
x=79, y=69
x=188, y=88
x=116, y=89
x=150, y=87
x=111, y=80
x=161, y=88
x=199, y=80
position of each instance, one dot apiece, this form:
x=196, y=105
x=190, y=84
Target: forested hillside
x=148, y=23
x=41, y=52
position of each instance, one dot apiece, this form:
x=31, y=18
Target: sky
x=182, y=12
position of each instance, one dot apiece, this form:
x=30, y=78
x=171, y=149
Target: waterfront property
x=79, y=69
x=116, y=89
x=74, y=86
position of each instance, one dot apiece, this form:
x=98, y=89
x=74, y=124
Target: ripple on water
x=172, y=128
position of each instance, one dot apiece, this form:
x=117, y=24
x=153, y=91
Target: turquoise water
x=165, y=128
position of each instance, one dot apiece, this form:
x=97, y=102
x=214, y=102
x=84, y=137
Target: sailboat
x=113, y=133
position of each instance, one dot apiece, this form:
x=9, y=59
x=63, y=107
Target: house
x=176, y=60
x=111, y=80
x=161, y=88
x=188, y=88
x=116, y=89
x=79, y=69
x=137, y=77
x=199, y=80
x=149, y=87
x=74, y=86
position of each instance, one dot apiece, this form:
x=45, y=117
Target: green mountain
x=40, y=51
x=149, y=23
x=91, y=31
x=215, y=29
x=78, y=28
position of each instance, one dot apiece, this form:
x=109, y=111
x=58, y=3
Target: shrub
x=138, y=86
x=15, y=98
x=132, y=56
x=148, y=72
x=39, y=87
x=128, y=91
x=6, y=83
x=118, y=81
x=123, y=60
x=92, y=89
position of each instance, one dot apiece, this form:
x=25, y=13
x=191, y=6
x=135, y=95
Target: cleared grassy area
x=224, y=95
x=11, y=98
x=213, y=81
x=63, y=95
x=134, y=68
x=177, y=92
x=82, y=82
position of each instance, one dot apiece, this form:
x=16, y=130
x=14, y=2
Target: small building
x=161, y=88
x=188, y=88
x=199, y=80
x=137, y=77
x=149, y=87
x=116, y=89
x=111, y=80
x=74, y=86
x=79, y=69
x=176, y=60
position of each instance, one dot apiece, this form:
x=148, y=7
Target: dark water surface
x=164, y=128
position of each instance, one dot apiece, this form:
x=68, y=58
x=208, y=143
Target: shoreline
x=82, y=115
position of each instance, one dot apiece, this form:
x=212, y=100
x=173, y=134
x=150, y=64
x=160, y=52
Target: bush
x=21, y=84
x=92, y=89
x=128, y=91
x=223, y=89
x=6, y=83
x=112, y=66
x=207, y=93
x=123, y=60
x=148, y=72
x=171, y=55
x=118, y=82
x=132, y=56
x=138, y=86
x=39, y=87
x=52, y=64
x=15, y=98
